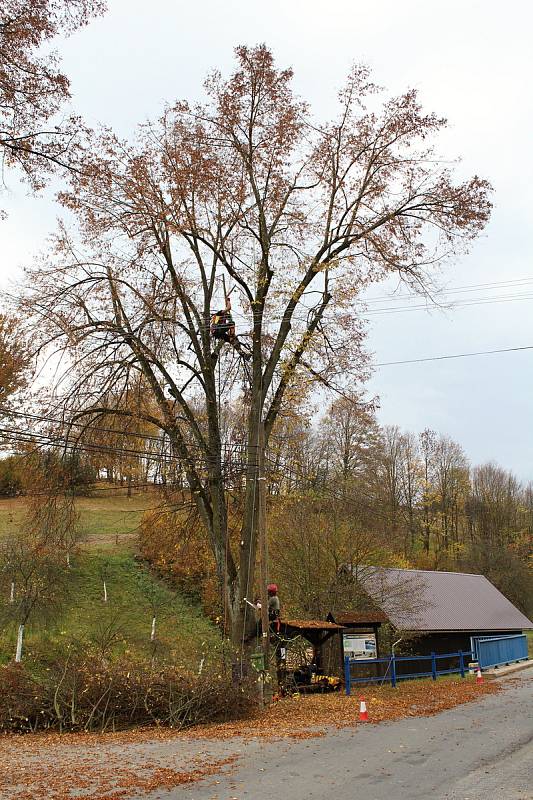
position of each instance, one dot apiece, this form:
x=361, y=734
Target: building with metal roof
x=431, y=601
x=428, y=611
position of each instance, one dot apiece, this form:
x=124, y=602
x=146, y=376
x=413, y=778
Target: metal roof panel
x=424, y=600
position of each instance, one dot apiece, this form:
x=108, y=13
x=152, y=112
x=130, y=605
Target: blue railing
x=492, y=651
x=392, y=671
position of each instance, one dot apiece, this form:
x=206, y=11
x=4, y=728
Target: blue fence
x=492, y=651
x=392, y=668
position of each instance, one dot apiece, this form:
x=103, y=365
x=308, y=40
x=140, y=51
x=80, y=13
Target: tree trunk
x=243, y=620
x=20, y=639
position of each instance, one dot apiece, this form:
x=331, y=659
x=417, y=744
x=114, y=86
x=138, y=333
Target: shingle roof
x=311, y=624
x=422, y=600
x=358, y=617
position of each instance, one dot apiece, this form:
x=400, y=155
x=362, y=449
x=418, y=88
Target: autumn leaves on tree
x=32, y=87
x=298, y=215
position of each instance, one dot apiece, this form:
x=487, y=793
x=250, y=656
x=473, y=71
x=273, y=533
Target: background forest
x=345, y=491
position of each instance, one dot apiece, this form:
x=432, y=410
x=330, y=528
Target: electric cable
x=455, y=355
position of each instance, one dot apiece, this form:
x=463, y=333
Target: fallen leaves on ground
x=120, y=766
x=309, y=716
x=98, y=775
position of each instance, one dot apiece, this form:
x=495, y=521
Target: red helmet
x=272, y=587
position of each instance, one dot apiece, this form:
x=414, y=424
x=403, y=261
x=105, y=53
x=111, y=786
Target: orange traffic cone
x=479, y=676
x=363, y=713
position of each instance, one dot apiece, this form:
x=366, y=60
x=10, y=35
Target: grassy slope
x=108, y=522
x=110, y=525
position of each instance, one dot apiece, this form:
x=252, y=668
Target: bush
x=11, y=481
x=85, y=695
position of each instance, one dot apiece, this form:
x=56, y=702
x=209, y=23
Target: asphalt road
x=478, y=751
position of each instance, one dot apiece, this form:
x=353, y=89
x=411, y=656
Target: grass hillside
x=120, y=625
x=108, y=522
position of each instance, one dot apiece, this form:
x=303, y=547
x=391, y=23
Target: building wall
x=450, y=642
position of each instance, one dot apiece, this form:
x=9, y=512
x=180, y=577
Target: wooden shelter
x=318, y=669
x=363, y=622
x=317, y=632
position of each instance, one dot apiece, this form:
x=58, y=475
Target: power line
x=14, y=437
x=456, y=355
x=160, y=440
x=449, y=306
x=88, y=427
x=227, y=447
x=514, y=283
x=231, y=464
x=243, y=319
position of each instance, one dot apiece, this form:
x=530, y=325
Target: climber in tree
x=223, y=328
x=274, y=607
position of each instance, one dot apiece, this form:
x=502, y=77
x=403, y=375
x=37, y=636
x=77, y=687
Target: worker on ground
x=223, y=328
x=274, y=607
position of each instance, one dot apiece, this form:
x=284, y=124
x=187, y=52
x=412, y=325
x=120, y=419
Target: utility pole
x=263, y=563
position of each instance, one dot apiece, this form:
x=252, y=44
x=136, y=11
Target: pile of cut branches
x=87, y=695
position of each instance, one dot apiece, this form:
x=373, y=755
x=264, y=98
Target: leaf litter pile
x=309, y=716
x=120, y=766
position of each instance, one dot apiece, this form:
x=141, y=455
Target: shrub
x=87, y=695
x=11, y=481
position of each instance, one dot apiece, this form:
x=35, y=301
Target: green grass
x=122, y=625
x=11, y=514
x=530, y=643
x=112, y=523
x=108, y=523
x=110, y=529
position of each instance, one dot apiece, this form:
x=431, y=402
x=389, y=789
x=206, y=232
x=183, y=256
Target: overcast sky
x=471, y=62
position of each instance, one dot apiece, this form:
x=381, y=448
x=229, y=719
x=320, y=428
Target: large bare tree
x=298, y=216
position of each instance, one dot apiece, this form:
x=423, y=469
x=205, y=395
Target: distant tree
x=399, y=487
x=353, y=436
x=389, y=480
x=505, y=568
x=117, y=437
x=451, y=483
x=34, y=582
x=11, y=479
x=427, y=450
x=494, y=505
